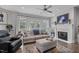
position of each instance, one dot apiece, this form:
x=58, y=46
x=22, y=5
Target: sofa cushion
x=5, y=39
x=34, y=38
x=14, y=38
x=3, y=33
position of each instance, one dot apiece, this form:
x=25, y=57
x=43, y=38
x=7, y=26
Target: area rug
x=31, y=48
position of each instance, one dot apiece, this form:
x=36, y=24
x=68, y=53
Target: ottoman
x=43, y=45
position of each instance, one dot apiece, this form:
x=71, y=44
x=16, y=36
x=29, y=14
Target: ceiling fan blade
x=49, y=6
x=49, y=11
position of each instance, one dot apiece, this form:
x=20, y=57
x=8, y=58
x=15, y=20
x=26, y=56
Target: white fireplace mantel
x=65, y=28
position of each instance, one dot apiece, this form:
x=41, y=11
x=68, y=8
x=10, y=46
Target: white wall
x=2, y=27
x=9, y=18
x=76, y=18
x=3, y=24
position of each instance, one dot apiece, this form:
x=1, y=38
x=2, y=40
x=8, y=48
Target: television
x=63, y=19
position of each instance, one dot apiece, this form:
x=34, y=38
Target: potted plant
x=9, y=27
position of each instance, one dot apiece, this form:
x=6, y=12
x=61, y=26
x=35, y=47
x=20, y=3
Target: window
x=22, y=25
x=28, y=24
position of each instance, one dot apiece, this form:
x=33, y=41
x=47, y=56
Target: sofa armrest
x=7, y=42
x=4, y=46
x=14, y=38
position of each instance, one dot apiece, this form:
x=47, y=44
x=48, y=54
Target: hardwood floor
x=73, y=47
x=61, y=47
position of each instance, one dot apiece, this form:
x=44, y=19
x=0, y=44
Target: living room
x=42, y=28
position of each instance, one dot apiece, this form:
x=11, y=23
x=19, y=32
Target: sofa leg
x=22, y=49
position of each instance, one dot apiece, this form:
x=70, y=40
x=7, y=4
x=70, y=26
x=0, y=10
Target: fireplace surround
x=63, y=35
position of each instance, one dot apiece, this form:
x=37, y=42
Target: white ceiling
x=34, y=9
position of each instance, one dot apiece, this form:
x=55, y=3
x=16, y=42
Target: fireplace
x=63, y=35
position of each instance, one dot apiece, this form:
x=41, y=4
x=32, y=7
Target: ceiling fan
x=46, y=8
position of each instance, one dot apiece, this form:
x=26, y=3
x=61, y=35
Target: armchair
x=9, y=44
